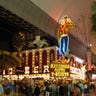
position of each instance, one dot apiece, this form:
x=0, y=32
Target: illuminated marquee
x=46, y=69
x=59, y=69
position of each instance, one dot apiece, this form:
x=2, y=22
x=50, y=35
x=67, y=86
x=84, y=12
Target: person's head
x=5, y=81
x=7, y=90
x=75, y=85
x=92, y=87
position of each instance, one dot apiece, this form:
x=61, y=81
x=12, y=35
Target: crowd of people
x=60, y=87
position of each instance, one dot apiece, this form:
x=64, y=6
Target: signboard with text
x=59, y=69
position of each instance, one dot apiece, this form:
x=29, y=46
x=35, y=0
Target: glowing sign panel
x=59, y=69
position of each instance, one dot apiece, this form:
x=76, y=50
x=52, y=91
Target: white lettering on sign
x=10, y=71
x=75, y=70
x=27, y=70
x=3, y=72
x=36, y=69
x=46, y=69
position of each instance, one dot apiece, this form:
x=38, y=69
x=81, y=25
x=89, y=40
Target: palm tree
x=93, y=17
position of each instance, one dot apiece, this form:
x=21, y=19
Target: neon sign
x=66, y=24
x=59, y=69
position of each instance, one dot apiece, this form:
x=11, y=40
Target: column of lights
x=48, y=55
x=3, y=72
x=27, y=58
x=20, y=54
x=27, y=68
x=33, y=60
x=40, y=62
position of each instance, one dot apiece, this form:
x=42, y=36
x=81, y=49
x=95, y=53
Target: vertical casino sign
x=65, y=25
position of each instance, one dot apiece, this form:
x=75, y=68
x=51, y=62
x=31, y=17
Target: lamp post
x=89, y=56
